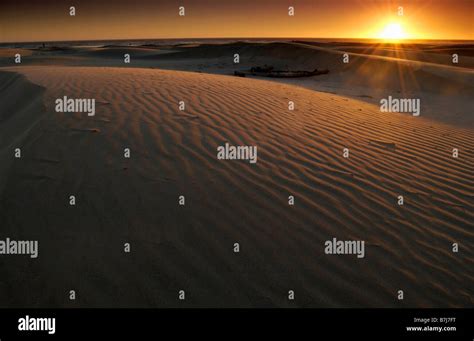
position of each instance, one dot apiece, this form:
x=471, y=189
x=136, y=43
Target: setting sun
x=393, y=31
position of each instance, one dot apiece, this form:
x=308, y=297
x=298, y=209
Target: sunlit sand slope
x=190, y=247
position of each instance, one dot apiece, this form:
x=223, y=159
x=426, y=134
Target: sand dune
x=119, y=52
x=435, y=53
x=369, y=76
x=365, y=77
x=9, y=53
x=191, y=247
x=433, y=56
x=17, y=118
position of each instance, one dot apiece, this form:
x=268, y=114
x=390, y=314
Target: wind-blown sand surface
x=191, y=248
x=374, y=71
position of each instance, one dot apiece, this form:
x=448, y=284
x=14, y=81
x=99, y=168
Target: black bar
x=224, y=323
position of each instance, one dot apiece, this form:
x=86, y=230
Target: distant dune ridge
x=190, y=247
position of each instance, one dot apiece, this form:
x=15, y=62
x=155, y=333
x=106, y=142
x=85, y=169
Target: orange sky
x=46, y=20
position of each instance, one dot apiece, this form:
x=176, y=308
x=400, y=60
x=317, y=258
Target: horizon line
x=400, y=41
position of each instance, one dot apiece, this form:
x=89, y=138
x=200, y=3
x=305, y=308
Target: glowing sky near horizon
x=47, y=20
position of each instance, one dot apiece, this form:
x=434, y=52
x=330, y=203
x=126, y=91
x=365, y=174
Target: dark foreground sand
x=191, y=248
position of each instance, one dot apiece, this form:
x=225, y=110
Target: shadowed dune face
x=118, y=51
x=17, y=118
x=398, y=74
x=174, y=153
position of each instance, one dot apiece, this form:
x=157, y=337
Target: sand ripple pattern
x=191, y=247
